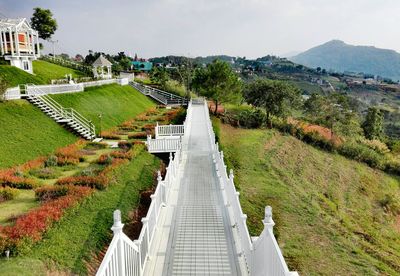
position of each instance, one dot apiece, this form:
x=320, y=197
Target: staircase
x=68, y=117
x=160, y=96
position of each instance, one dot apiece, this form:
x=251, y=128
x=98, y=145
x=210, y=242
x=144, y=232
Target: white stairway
x=68, y=117
x=160, y=96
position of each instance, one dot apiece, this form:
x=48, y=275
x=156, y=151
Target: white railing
x=166, y=144
x=262, y=256
x=162, y=131
x=65, y=113
x=163, y=97
x=98, y=83
x=124, y=257
x=13, y=93
x=53, y=89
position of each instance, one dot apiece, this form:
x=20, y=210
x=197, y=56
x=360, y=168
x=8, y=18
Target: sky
x=250, y=28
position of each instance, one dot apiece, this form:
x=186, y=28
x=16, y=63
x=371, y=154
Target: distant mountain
x=339, y=56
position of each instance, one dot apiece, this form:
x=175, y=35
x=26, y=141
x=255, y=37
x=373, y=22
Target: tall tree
x=218, y=82
x=373, y=124
x=159, y=75
x=277, y=97
x=43, y=22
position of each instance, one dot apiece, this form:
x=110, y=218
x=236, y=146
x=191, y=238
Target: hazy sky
x=250, y=28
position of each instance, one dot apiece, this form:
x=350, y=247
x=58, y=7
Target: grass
x=21, y=204
x=85, y=230
x=26, y=133
x=47, y=71
x=332, y=215
x=43, y=71
x=116, y=104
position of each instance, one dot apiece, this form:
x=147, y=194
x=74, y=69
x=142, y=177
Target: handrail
x=160, y=95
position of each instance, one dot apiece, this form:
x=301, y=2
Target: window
x=26, y=65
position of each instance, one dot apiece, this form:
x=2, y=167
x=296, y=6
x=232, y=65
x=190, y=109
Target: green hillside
x=333, y=216
x=26, y=133
x=339, y=56
x=116, y=104
x=44, y=72
x=47, y=71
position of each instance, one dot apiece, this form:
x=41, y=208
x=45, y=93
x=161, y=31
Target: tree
x=159, y=75
x=218, y=82
x=373, y=124
x=43, y=22
x=277, y=98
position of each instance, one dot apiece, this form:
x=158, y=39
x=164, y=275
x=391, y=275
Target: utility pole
x=53, y=42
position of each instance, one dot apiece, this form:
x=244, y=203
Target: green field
x=333, y=216
x=47, y=71
x=27, y=133
x=43, y=71
x=85, y=230
x=116, y=104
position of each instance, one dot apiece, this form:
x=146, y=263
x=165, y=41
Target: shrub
x=50, y=192
x=95, y=146
x=99, y=182
x=45, y=173
x=69, y=155
x=142, y=117
x=376, y=145
x=179, y=117
x=390, y=203
x=121, y=154
x=51, y=161
x=138, y=135
x=110, y=135
x=105, y=159
x=8, y=193
x=125, y=145
x=92, y=170
x=151, y=111
x=8, y=179
x=362, y=153
x=30, y=227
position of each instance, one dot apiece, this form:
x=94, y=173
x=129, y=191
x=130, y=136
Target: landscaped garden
x=68, y=188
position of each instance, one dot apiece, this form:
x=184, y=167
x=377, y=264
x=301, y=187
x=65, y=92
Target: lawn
x=47, y=71
x=26, y=133
x=84, y=231
x=333, y=216
x=116, y=104
x=43, y=71
x=21, y=204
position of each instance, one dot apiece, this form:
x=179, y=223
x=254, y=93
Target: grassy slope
x=326, y=208
x=86, y=229
x=26, y=133
x=48, y=71
x=44, y=72
x=116, y=103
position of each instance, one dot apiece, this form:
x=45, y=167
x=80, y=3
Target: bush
x=105, y=159
x=95, y=146
x=45, y=173
x=50, y=192
x=70, y=155
x=121, y=154
x=8, y=179
x=390, y=203
x=125, y=145
x=110, y=135
x=30, y=227
x=375, y=145
x=251, y=118
x=179, y=118
x=362, y=153
x=51, y=161
x=137, y=135
x=8, y=193
x=99, y=182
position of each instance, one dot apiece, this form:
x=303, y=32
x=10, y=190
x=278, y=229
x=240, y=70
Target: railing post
x=268, y=221
x=117, y=229
x=156, y=131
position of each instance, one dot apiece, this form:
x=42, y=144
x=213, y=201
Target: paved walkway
x=194, y=235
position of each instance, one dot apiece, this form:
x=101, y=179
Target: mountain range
x=338, y=56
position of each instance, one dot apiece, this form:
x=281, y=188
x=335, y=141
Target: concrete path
x=194, y=235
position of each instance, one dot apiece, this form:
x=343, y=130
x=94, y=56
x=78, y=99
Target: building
x=19, y=43
x=98, y=68
x=142, y=65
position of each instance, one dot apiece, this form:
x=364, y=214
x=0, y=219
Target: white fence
x=162, y=131
x=125, y=257
x=166, y=144
x=12, y=94
x=263, y=255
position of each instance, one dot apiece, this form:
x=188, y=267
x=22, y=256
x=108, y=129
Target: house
x=142, y=65
x=19, y=43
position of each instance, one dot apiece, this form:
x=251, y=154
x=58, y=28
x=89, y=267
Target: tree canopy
x=373, y=124
x=218, y=82
x=42, y=21
x=277, y=98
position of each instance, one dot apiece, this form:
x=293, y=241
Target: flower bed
x=31, y=227
x=8, y=193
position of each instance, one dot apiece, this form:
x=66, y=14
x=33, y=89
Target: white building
x=98, y=68
x=19, y=43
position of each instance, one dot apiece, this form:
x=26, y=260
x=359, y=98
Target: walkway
x=194, y=235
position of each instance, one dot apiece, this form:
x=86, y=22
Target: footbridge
x=195, y=224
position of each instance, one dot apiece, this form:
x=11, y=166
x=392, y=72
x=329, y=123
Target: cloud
x=202, y=27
